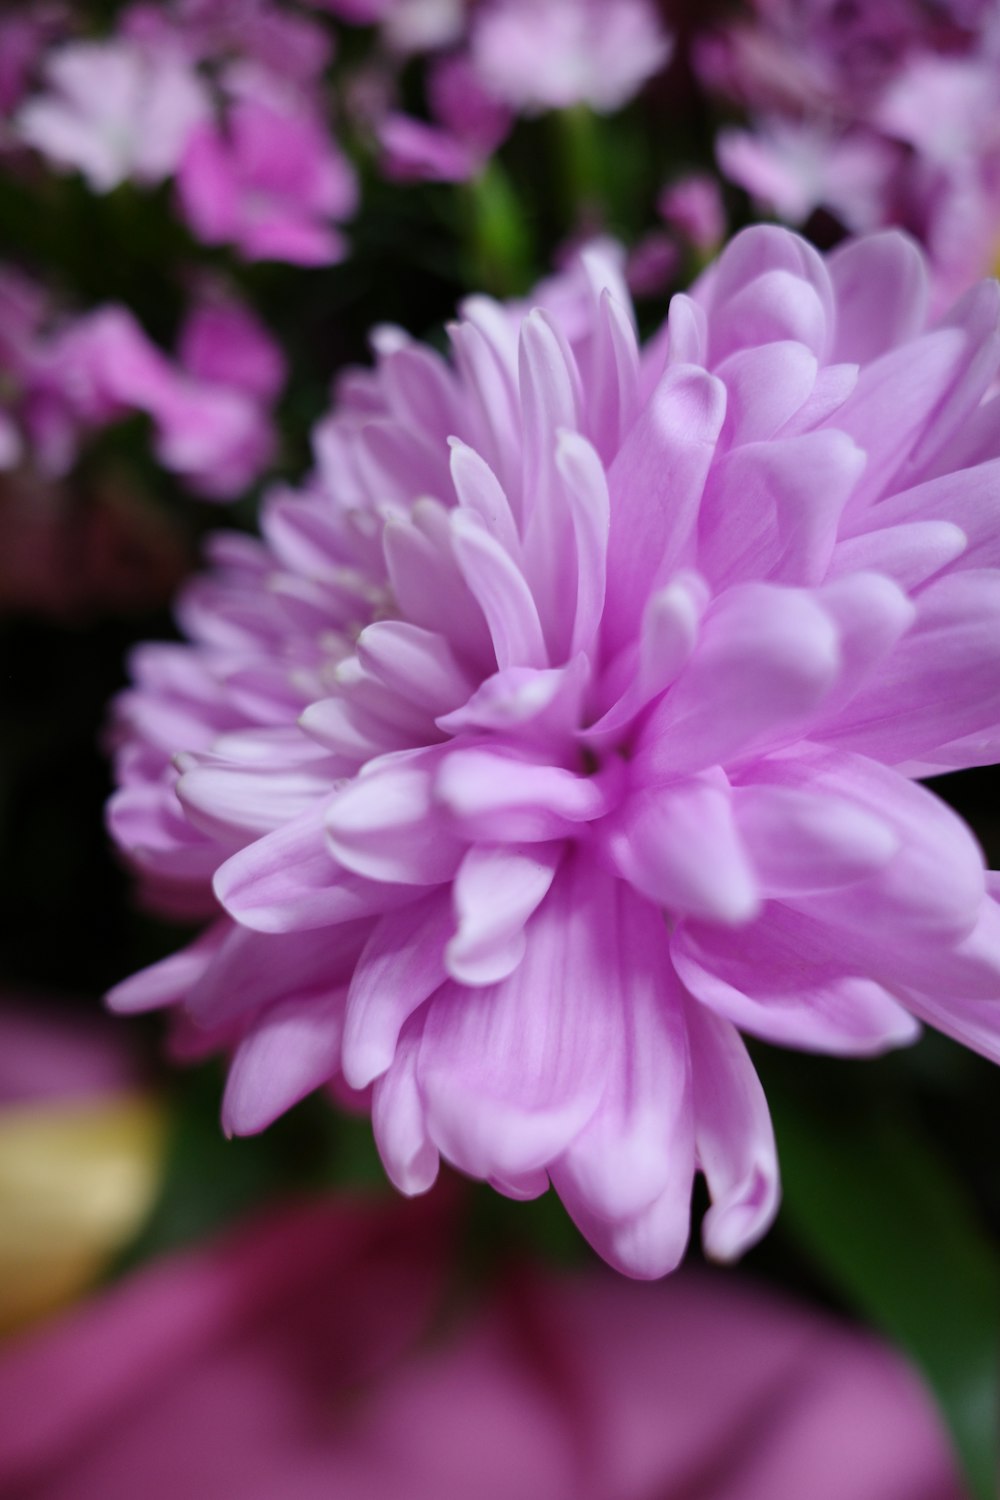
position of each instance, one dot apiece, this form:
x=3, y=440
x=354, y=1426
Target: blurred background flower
x=325, y=1351
x=81, y=1151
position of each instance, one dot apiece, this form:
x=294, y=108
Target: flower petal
x=680, y=846
x=292, y=1049
x=512, y=1072
x=496, y=890
x=734, y=1141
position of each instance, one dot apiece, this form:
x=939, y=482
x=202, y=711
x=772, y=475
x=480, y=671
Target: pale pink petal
x=680, y=846
x=288, y=880
x=509, y=1080
x=289, y=1051
x=655, y=484
x=495, y=892
x=882, y=295
x=766, y=659
x=401, y=964
x=762, y=515
x=383, y=825
x=639, y=1144
x=734, y=1141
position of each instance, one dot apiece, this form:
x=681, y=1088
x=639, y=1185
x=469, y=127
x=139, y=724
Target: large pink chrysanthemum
x=566, y=728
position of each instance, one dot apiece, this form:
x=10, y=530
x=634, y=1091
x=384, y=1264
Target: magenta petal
x=765, y=387
x=504, y=799
x=974, y=1023
x=648, y=1244
x=242, y=802
x=893, y=402
x=769, y=285
x=775, y=306
x=771, y=510
x=929, y=892
x=802, y=840
x=416, y=663
x=480, y=492
x=251, y=969
x=909, y=553
x=502, y=593
x=586, y=490
x=872, y=614
x=966, y=500
x=549, y=383
x=942, y=681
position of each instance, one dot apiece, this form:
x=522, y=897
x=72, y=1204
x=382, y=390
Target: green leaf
x=882, y=1218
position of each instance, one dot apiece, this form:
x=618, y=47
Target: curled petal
x=734, y=1141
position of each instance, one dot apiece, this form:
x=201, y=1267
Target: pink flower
x=407, y=26
x=288, y=44
x=210, y=416
x=469, y=127
x=115, y=111
x=512, y=57
x=225, y=344
x=791, y=168
x=565, y=728
x=273, y=184
x=551, y=54
x=315, y=1355
x=879, y=114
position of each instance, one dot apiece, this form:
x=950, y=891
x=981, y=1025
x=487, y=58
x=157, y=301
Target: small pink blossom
x=115, y=111
x=287, y=43
x=210, y=414
x=415, y=151
x=272, y=183
x=791, y=168
x=567, y=726
x=878, y=114
x=551, y=54
x=469, y=126
x=225, y=344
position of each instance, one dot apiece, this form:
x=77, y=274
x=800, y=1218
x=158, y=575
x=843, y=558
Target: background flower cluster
x=240, y=235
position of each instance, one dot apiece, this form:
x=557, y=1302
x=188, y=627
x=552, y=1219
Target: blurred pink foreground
x=310, y=1358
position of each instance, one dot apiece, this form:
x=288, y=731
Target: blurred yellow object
x=76, y=1182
